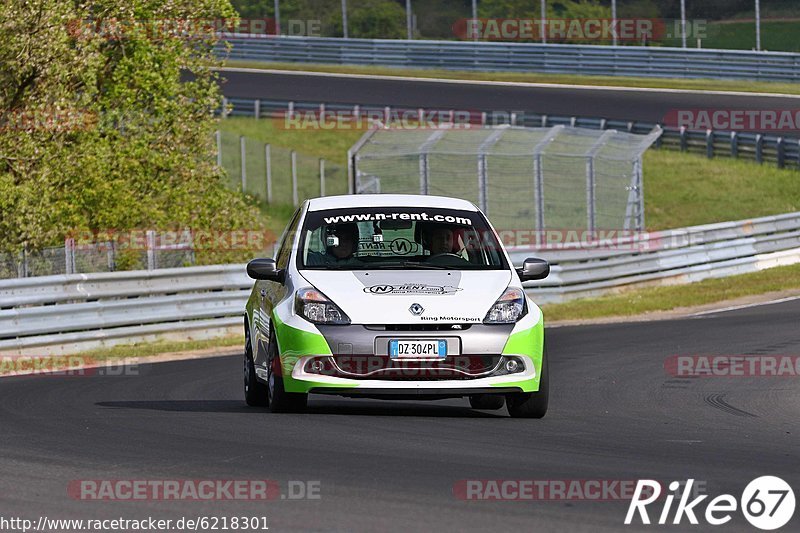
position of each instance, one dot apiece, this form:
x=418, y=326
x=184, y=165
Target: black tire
x=531, y=404
x=487, y=402
x=279, y=400
x=255, y=392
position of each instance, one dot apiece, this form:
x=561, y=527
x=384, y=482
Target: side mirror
x=264, y=269
x=533, y=268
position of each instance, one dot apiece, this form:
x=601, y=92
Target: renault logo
x=416, y=309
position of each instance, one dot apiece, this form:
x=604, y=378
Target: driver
x=343, y=252
x=439, y=240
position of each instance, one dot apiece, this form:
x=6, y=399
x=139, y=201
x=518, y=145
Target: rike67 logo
x=767, y=503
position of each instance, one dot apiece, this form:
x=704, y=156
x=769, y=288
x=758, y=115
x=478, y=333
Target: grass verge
x=534, y=77
x=650, y=299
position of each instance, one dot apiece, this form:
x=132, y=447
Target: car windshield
x=398, y=238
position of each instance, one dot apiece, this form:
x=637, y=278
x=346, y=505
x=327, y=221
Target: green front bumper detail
x=527, y=343
x=294, y=343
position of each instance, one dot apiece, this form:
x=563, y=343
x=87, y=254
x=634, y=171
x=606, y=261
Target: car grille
x=384, y=368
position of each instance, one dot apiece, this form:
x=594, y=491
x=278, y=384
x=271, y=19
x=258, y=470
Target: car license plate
x=417, y=348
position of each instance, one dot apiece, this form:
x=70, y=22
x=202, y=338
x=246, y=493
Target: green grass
x=778, y=36
x=644, y=300
x=534, y=77
x=688, y=189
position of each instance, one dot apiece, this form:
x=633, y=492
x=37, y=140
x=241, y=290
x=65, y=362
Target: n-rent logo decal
x=412, y=288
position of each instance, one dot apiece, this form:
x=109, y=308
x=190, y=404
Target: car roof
x=388, y=200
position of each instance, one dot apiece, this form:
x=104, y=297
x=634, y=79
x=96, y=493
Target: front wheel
x=281, y=401
x=531, y=404
x=255, y=392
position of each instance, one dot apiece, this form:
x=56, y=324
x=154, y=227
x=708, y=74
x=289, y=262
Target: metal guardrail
x=758, y=147
x=62, y=314
x=638, y=61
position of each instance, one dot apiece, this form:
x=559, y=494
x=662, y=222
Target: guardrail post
x=322, y=177
x=759, y=148
x=268, y=169
x=243, y=159
x=603, y=123
x=291, y=110
x=224, y=112
x=257, y=108
x=544, y=121
x=709, y=144
x=387, y=115
x=295, y=199
x=781, y=153
x=573, y=121
x=357, y=115
x=684, y=141
x=734, y=144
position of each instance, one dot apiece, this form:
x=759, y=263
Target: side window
x=285, y=249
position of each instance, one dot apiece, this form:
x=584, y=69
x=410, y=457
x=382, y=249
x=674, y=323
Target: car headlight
x=509, y=308
x=317, y=308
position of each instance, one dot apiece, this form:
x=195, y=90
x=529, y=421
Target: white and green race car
x=394, y=296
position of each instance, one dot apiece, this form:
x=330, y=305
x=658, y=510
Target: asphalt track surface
x=391, y=466
x=613, y=103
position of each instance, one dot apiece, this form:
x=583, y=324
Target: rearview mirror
x=533, y=268
x=264, y=269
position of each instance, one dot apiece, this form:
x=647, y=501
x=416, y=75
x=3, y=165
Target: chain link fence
x=543, y=178
x=276, y=175
x=152, y=251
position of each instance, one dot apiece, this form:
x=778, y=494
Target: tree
x=99, y=130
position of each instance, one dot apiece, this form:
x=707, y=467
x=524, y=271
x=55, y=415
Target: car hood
x=387, y=296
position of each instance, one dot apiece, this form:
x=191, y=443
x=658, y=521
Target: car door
x=270, y=293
